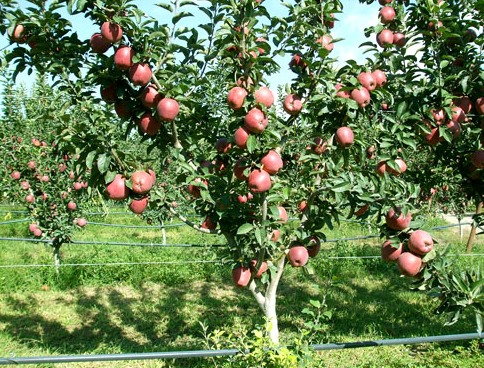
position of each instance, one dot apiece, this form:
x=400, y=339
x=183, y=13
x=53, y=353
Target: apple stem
x=193, y=225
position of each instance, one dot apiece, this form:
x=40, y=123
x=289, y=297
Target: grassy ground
x=159, y=307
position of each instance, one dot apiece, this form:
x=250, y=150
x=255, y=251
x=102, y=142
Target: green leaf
x=103, y=162
x=258, y=235
x=251, y=143
x=90, y=158
x=245, y=228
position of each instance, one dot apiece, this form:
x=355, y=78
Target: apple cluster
x=369, y=81
x=129, y=103
x=389, y=35
x=407, y=248
x=138, y=188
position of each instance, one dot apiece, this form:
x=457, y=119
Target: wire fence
x=88, y=358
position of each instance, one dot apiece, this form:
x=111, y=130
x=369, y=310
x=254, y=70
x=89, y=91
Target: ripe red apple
x=292, y=104
x=240, y=137
x=259, y=181
x=208, y=223
x=439, y=115
x=454, y=128
x=480, y=105
x=99, y=44
x=361, y=96
x=24, y=185
x=168, y=109
x=32, y=227
x=255, y=121
x=111, y=32
x=149, y=124
x=272, y=162
x=30, y=198
x=194, y=189
x=123, y=57
x=420, y=242
x=109, y=93
x=275, y=235
x=298, y=256
x=384, y=38
x=362, y=210
x=140, y=74
x=117, y=189
x=340, y=93
x=282, y=217
x=387, y=14
x=396, y=220
x=15, y=175
x=141, y=182
x=314, y=246
x=402, y=167
x=122, y=109
x=44, y=178
x=385, y=2
x=344, y=137
x=264, y=96
x=138, y=205
x=242, y=198
x=390, y=252
x=262, y=268
x=399, y=39
x=302, y=206
x=297, y=63
x=18, y=34
x=464, y=102
x=77, y=185
x=31, y=165
x=239, y=167
x=366, y=79
x=37, y=232
x=241, y=276
x=81, y=222
x=477, y=159
x=71, y=206
x=458, y=115
x=236, y=97
x=329, y=21
x=379, y=77
x=409, y=264
x=150, y=96
x=433, y=138
x=327, y=42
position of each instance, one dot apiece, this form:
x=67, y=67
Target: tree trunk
x=472, y=235
x=57, y=261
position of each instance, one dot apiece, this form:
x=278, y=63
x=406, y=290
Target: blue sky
x=349, y=27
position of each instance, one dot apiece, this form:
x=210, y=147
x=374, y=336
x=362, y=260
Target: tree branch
x=193, y=225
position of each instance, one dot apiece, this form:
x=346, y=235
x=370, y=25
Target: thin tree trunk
x=163, y=232
x=270, y=302
x=57, y=261
x=472, y=235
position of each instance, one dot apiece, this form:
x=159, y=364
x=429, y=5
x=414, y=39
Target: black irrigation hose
x=226, y=352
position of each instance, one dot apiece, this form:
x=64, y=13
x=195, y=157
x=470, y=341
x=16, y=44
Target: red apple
x=454, y=128
x=464, y=102
x=122, y=109
x=111, y=32
x=477, y=159
x=292, y=104
x=31, y=165
x=15, y=175
x=150, y=96
x=241, y=276
x=117, y=189
x=24, y=185
x=168, y=109
x=367, y=81
x=239, y=168
x=379, y=77
x=362, y=210
x=390, y=252
x=282, y=217
x=439, y=115
x=480, y=105
x=242, y=198
x=123, y=57
x=272, y=162
x=275, y=235
x=433, y=138
x=259, y=181
x=98, y=44
x=32, y=227
x=402, y=167
x=344, y=137
x=37, y=232
x=264, y=96
x=141, y=182
x=319, y=146
x=30, y=198
x=77, y=185
x=342, y=94
x=223, y=145
x=387, y=14
x=194, y=189
x=409, y=264
x=327, y=42
x=140, y=74
x=396, y=220
x=255, y=121
x=109, y=93
x=297, y=63
x=384, y=38
x=298, y=256
x=208, y=223
x=420, y=242
x=138, y=205
x=302, y=206
x=361, y=96
x=240, y=137
x=18, y=34
x=458, y=114
x=262, y=268
x=149, y=124
x=81, y=222
x=71, y=206
x=314, y=246
x=236, y=97
x=385, y=2
x=399, y=39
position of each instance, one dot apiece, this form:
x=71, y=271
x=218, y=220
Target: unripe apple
x=123, y=57
x=255, y=121
x=396, y=220
x=384, y=38
x=272, y=162
x=168, y=109
x=99, y=44
x=117, y=189
x=241, y=276
x=361, y=96
x=141, y=182
x=149, y=124
x=387, y=14
x=111, y=32
x=236, y=97
x=390, y=252
x=298, y=256
x=292, y=104
x=409, y=264
x=344, y=137
x=264, y=96
x=367, y=81
x=420, y=242
x=259, y=181
x=140, y=74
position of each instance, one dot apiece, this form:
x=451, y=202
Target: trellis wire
x=228, y=352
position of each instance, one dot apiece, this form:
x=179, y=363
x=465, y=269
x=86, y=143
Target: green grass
x=145, y=308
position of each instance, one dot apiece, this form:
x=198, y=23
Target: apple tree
x=268, y=170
